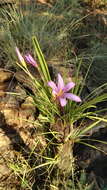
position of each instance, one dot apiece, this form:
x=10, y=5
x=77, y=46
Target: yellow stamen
x=60, y=93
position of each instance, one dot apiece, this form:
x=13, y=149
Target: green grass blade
x=98, y=118
x=92, y=102
x=43, y=65
x=92, y=146
x=84, y=131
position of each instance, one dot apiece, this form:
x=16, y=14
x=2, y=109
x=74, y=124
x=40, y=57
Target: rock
x=5, y=76
x=28, y=104
x=6, y=82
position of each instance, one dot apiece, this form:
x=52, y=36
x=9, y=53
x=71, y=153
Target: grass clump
x=62, y=123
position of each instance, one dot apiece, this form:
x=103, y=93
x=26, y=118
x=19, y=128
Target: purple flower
x=60, y=91
x=30, y=59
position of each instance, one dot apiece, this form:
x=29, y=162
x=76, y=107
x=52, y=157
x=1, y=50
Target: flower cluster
x=60, y=91
x=28, y=58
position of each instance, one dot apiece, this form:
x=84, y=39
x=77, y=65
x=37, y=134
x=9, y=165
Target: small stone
x=28, y=104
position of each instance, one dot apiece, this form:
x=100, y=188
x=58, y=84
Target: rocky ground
x=17, y=135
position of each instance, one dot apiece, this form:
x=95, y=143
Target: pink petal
x=68, y=86
x=30, y=59
x=53, y=86
x=54, y=92
x=72, y=97
x=63, y=101
x=21, y=59
x=60, y=82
